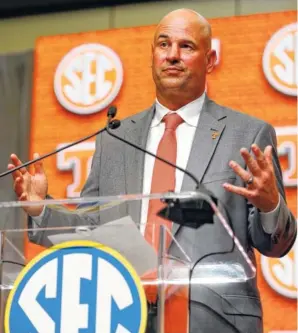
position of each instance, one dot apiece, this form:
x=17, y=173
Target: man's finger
x=240, y=171
x=17, y=162
x=16, y=173
x=24, y=197
x=268, y=154
x=238, y=190
x=18, y=186
x=260, y=157
x=38, y=166
x=250, y=162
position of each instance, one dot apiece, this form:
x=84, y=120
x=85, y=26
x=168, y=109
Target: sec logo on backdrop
x=280, y=60
x=282, y=273
x=77, y=286
x=88, y=78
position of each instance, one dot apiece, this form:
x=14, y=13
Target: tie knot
x=172, y=121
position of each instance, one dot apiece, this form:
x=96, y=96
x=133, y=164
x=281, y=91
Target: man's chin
x=171, y=83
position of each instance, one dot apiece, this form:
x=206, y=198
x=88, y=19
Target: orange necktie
x=163, y=180
x=163, y=177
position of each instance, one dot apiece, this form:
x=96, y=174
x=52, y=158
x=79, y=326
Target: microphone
x=192, y=212
x=111, y=124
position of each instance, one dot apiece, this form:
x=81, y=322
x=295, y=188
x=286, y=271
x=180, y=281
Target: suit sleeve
x=83, y=215
x=284, y=229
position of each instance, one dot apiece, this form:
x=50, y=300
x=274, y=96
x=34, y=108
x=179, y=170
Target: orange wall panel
x=240, y=80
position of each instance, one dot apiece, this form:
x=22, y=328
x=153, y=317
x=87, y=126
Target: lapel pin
x=215, y=134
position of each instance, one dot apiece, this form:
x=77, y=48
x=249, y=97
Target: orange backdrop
x=238, y=81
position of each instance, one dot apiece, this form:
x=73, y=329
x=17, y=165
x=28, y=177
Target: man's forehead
x=173, y=31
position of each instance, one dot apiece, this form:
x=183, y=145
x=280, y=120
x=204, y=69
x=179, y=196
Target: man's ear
x=211, y=60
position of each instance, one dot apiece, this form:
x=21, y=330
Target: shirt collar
x=189, y=113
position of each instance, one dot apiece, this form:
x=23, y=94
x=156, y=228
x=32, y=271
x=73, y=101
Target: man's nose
x=173, y=54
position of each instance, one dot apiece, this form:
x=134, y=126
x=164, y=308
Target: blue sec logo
x=77, y=287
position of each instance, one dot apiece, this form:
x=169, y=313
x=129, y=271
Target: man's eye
x=186, y=46
x=163, y=44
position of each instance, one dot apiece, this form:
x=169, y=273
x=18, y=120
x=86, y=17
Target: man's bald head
x=181, y=57
x=197, y=21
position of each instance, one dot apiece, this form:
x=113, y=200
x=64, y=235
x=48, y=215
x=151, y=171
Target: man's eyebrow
x=185, y=40
x=162, y=36
x=190, y=41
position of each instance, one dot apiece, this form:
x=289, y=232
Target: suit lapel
x=136, y=132
x=207, y=136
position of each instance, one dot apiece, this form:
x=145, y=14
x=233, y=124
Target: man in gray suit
x=232, y=154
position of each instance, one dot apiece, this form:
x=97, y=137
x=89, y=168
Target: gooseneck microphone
x=191, y=212
x=112, y=124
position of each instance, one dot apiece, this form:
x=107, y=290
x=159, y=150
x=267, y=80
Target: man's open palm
x=29, y=187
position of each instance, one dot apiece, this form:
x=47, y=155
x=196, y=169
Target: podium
x=87, y=265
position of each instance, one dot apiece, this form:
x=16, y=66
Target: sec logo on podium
x=77, y=287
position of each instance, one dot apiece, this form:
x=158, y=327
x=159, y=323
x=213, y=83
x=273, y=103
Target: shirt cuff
x=37, y=220
x=269, y=220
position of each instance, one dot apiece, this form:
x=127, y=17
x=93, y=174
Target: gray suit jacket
x=118, y=169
